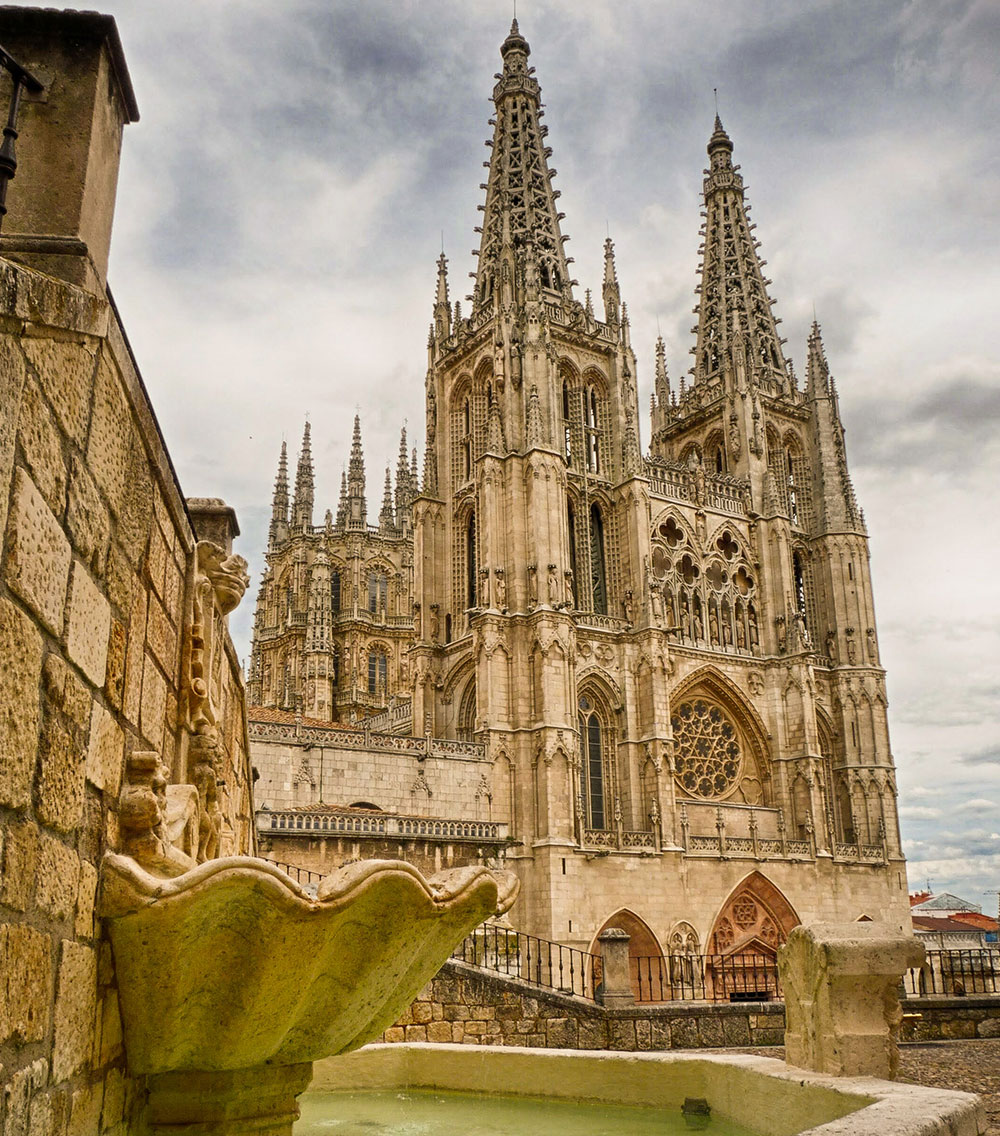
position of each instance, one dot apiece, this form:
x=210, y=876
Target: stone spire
x=612, y=293
x=838, y=505
x=279, y=502
x=733, y=289
x=662, y=394
x=387, y=514
x=520, y=211
x=357, y=505
x=342, y=503
x=404, y=486
x=442, y=306
x=302, y=505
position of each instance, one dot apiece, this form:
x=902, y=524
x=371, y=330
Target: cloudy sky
x=284, y=198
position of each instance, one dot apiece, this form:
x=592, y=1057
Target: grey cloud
x=989, y=755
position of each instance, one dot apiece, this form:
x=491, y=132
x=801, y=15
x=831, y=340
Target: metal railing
x=956, y=973
x=300, y=875
x=541, y=962
x=705, y=978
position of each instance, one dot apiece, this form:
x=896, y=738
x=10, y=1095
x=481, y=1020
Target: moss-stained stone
x=154, y=703
x=88, y=625
x=12, y=378
x=86, y=894
x=20, y=670
x=41, y=445
x=25, y=983
x=114, y=679
x=75, y=1010
x=136, y=520
x=38, y=554
x=70, y=396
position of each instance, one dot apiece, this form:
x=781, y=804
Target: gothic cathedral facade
x=669, y=660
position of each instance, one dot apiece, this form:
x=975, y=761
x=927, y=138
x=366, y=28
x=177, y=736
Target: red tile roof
x=975, y=919
x=939, y=923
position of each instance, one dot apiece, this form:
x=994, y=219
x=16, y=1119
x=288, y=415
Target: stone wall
x=99, y=633
x=470, y=1007
x=465, y=1005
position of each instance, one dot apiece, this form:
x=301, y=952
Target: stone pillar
x=841, y=985
x=227, y=1103
x=617, y=979
x=62, y=198
x=214, y=520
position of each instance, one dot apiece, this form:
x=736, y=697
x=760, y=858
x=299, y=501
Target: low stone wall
x=472, y=1007
x=465, y=1005
x=944, y=1019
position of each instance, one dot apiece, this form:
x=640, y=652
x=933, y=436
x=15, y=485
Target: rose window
x=708, y=759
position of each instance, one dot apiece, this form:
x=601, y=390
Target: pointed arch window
x=470, y=561
x=591, y=419
x=598, y=575
x=378, y=671
x=592, y=765
x=571, y=521
x=466, y=440
x=378, y=591
x=335, y=591
x=567, y=428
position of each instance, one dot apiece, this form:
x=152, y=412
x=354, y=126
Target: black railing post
x=20, y=78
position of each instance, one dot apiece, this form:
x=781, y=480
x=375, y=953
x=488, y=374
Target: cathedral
x=649, y=682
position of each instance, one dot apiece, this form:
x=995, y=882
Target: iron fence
x=300, y=875
x=705, y=978
x=955, y=972
x=541, y=962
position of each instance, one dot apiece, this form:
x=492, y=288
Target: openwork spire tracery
x=520, y=211
x=734, y=307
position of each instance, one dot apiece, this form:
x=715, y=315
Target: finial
x=715, y=91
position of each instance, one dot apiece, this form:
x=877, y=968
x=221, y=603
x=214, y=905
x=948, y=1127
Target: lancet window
x=598, y=574
x=470, y=561
x=378, y=671
x=335, y=591
x=378, y=591
x=593, y=776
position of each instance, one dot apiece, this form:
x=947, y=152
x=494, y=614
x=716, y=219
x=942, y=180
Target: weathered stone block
x=439, y=1031
x=953, y=1028
x=42, y=447
x=684, y=1033
x=710, y=1031
x=592, y=1034
x=12, y=378
x=67, y=372
x=85, y=1117
x=86, y=894
x=136, y=519
x=659, y=1034
x=989, y=1028
x=416, y=1033
x=110, y=435
x=561, y=1033
x=58, y=877
x=134, y=655
x=395, y=1034
x=20, y=671
x=736, y=1030
x=421, y=1012
x=114, y=680
x=87, y=519
x=61, y=764
x=88, y=625
x=154, y=703
x=20, y=863
x=105, y=753
x=25, y=981
x=161, y=636
x=38, y=554
x=113, y=1107
x=75, y=1010
x=621, y=1034
x=112, y=1039
x=643, y=1034
x=119, y=581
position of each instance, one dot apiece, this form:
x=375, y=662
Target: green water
x=418, y=1112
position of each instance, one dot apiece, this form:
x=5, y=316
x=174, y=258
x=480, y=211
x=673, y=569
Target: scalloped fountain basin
x=766, y=1096
x=232, y=979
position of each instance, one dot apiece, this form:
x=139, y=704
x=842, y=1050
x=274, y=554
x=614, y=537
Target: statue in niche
x=484, y=587
x=801, y=632
x=713, y=625
x=741, y=635
x=532, y=585
x=699, y=629
x=686, y=620
x=500, y=587
x=553, y=585
x=431, y=415
x=435, y=623
x=779, y=623
x=656, y=602
x=727, y=632
x=754, y=636
x=872, y=649
x=569, y=588
x=627, y=606
x=851, y=646
x=831, y=645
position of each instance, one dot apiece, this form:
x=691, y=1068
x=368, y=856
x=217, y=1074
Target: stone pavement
x=969, y=1066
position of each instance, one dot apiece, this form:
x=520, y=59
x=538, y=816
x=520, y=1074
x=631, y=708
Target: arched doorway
x=742, y=959
x=644, y=956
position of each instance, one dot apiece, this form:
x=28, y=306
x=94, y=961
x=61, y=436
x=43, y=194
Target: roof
x=947, y=902
x=975, y=919
x=919, y=897
x=939, y=923
x=289, y=718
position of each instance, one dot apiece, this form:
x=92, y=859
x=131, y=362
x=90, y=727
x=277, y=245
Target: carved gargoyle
x=156, y=818
x=203, y=763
